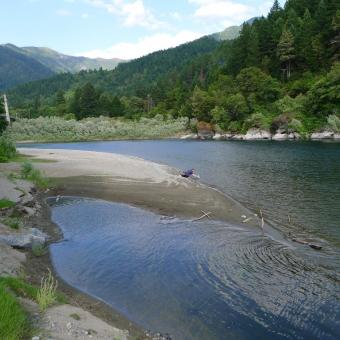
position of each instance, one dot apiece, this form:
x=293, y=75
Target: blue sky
x=119, y=28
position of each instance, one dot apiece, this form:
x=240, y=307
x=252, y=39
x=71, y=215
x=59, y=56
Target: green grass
x=46, y=295
x=13, y=222
x=14, y=322
x=4, y=203
x=34, y=175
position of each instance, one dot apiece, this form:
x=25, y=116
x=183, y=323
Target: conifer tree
x=286, y=51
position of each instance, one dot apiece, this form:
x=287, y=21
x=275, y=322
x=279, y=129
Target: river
x=212, y=280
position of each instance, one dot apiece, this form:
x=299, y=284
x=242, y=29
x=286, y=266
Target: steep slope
x=59, y=62
x=17, y=68
x=128, y=78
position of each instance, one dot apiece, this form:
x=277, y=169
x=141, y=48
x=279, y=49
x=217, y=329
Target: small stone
x=69, y=325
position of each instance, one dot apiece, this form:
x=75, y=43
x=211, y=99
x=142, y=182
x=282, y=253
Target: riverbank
x=111, y=177
x=82, y=316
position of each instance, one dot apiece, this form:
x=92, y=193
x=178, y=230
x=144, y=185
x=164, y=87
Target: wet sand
x=135, y=181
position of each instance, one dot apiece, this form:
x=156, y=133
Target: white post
x=6, y=110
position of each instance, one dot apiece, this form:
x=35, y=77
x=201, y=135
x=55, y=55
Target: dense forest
x=282, y=71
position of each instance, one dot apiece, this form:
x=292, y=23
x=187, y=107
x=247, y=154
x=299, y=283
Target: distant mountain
x=21, y=65
x=232, y=32
x=229, y=33
x=59, y=62
x=17, y=68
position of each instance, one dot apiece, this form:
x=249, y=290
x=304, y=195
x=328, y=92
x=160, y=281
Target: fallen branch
x=205, y=214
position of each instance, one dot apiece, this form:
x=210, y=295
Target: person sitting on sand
x=188, y=173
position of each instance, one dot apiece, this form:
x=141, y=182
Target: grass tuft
x=46, y=295
x=34, y=175
x=13, y=222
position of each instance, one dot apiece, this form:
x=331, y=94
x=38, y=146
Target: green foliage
x=4, y=204
x=278, y=70
x=333, y=123
x=55, y=128
x=7, y=148
x=324, y=96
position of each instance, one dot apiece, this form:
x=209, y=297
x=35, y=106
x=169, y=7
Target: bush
x=4, y=204
x=104, y=128
x=7, y=148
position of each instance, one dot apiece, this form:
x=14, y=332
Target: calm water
x=214, y=281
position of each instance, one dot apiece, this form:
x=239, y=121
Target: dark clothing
x=187, y=173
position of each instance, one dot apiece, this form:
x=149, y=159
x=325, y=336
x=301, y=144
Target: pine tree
x=60, y=98
x=88, y=101
x=286, y=51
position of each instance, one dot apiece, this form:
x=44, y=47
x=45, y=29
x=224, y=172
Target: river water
x=211, y=280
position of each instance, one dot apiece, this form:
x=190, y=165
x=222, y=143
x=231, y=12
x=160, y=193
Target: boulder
x=191, y=136
x=294, y=136
x=337, y=136
x=257, y=134
x=237, y=137
x=227, y=136
x=25, y=238
x=217, y=136
x=280, y=136
x=322, y=135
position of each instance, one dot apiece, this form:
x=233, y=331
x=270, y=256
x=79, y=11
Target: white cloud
x=84, y=15
x=133, y=13
x=229, y=11
x=143, y=46
x=63, y=12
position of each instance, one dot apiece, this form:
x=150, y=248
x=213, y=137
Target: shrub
x=7, y=148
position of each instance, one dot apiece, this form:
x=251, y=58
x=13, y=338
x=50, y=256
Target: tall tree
x=88, y=101
x=286, y=51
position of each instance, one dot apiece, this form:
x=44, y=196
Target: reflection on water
x=202, y=280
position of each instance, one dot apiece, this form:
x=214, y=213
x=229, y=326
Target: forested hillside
x=16, y=68
x=281, y=72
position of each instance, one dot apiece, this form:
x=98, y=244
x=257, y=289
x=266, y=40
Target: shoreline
x=123, y=179
x=36, y=267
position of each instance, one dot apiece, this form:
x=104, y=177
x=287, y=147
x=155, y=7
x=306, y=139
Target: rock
x=191, y=136
x=217, y=136
x=36, y=338
x=337, y=136
x=294, y=136
x=25, y=238
x=322, y=135
x=280, y=136
x=27, y=210
x=257, y=134
x=228, y=136
x=26, y=199
x=10, y=260
x=237, y=137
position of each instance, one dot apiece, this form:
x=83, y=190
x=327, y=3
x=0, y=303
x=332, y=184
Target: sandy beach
x=138, y=182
